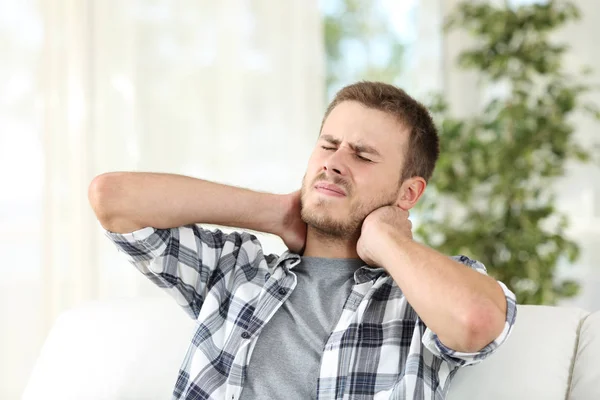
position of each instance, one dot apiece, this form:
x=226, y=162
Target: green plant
x=491, y=196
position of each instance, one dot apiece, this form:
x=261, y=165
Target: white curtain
x=231, y=91
x=21, y=159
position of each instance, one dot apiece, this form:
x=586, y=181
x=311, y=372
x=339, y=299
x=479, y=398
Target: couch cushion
x=534, y=363
x=112, y=350
x=585, y=384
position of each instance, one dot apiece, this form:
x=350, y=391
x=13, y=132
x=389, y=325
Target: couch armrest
x=535, y=362
x=120, y=349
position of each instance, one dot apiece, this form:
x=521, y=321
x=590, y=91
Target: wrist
x=276, y=214
x=393, y=240
x=287, y=211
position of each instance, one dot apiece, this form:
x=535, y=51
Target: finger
x=402, y=208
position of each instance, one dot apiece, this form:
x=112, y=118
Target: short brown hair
x=423, y=149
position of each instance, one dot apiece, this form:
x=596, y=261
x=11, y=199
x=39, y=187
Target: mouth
x=330, y=189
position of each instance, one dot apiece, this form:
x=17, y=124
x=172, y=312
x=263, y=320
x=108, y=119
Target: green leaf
x=492, y=185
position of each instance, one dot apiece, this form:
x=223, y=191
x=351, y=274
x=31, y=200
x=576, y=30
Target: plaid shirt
x=379, y=348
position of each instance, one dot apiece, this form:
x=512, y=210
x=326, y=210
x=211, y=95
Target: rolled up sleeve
x=179, y=260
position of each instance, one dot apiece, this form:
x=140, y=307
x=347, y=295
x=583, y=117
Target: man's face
x=354, y=169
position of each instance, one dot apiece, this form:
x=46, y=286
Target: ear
x=410, y=192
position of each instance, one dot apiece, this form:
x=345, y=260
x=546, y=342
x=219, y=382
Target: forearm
x=127, y=201
x=465, y=308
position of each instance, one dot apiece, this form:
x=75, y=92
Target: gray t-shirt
x=286, y=360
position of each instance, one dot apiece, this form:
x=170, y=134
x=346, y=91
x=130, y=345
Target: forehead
x=353, y=122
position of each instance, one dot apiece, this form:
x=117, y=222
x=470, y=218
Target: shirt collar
x=363, y=274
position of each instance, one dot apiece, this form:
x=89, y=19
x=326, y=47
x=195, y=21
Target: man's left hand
x=382, y=225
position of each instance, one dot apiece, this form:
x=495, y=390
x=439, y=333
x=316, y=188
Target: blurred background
x=234, y=91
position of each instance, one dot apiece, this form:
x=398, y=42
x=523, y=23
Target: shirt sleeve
x=431, y=341
x=185, y=261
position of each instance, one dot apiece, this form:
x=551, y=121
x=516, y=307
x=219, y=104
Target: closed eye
x=356, y=155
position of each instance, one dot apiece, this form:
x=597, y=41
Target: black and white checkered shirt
x=379, y=348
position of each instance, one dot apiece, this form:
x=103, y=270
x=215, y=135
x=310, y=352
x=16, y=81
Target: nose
x=334, y=164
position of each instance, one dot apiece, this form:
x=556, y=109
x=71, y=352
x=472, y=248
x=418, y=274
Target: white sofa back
x=132, y=349
x=553, y=353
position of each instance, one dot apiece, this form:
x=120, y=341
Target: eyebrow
x=357, y=147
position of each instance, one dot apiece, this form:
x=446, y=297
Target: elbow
x=102, y=195
x=481, y=328
x=108, y=198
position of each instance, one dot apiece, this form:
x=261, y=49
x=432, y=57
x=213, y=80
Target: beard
x=320, y=218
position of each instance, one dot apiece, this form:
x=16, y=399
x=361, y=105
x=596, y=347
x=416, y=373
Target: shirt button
x=282, y=291
x=245, y=335
x=267, y=276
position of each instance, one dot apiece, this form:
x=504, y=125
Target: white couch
x=132, y=349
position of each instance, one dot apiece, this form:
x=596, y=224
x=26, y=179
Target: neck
x=320, y=244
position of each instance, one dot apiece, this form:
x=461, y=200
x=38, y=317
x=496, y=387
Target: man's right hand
x=293, y=229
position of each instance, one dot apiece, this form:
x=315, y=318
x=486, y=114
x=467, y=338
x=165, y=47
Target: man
x=356, y=309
